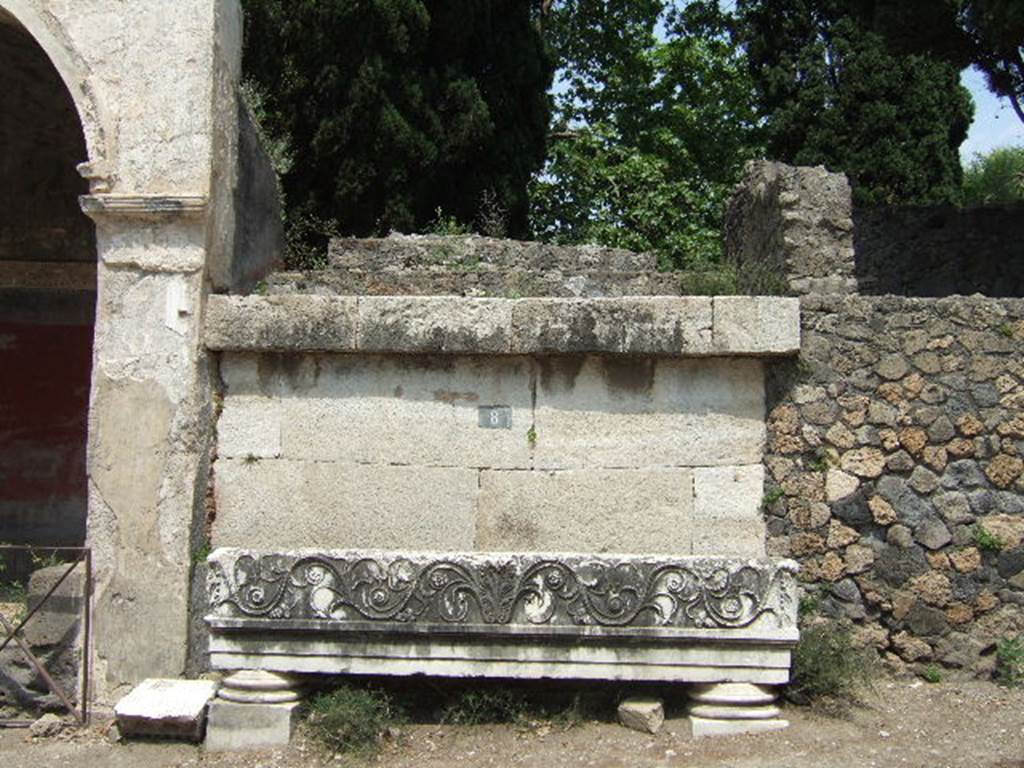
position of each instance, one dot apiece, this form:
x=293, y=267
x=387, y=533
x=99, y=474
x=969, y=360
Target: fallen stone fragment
x=645, y=715
x=173, y=709
x=46, y=726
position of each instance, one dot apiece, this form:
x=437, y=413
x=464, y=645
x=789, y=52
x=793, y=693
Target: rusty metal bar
x=46, y=597
x=50, y=682
x=87, y=639
x=83, y=555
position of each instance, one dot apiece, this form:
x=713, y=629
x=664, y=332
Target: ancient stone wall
x=392, y=452
x=895, y=455
x=895, y=471
x=940, y=251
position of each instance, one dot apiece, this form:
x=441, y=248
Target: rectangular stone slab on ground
x=166, y=708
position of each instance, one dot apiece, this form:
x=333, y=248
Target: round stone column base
x=258, y=687
x=727, y=709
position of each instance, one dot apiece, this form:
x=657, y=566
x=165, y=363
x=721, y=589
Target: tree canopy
x=843, y=83
x=654, y=119
x=401, y=108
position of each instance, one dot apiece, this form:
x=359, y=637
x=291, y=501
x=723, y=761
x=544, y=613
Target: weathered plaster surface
x=154, y=86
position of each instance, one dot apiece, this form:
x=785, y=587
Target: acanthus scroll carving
x=501, y=590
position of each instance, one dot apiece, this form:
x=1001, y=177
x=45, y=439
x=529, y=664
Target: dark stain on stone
x=451, y=397
x=559, y=374
x=399, y=392
x=632, y=375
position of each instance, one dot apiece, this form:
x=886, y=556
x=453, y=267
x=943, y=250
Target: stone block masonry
x=644, y=455
x=895, y=455
x=896, y=473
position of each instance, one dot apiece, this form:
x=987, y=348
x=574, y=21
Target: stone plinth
x=728, y=709
x=253, y=710
x=691, y=619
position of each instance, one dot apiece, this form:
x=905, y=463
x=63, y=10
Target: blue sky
x=995, y=123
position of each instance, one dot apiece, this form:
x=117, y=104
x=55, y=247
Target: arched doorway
x=47, y=300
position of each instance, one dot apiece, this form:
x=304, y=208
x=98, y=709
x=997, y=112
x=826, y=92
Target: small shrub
x=531, y=437
x=932, y=674
x=1010, y=661
x=447, y=226
x=985, y=541
x=477, y=707
x=492, y=220
x=827, y=666
x=351, y=720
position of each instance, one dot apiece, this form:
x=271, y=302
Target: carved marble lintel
x=500, y=593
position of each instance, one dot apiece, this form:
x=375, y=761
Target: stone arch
x=75, y=74
x=48, y=289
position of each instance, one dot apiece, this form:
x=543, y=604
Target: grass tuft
x=1010, y=661
x=351, y=720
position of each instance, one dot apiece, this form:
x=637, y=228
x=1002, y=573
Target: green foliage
x=487, y=705
x=827, y=665
x=836, y=93
x=932, y=674
x=996, y=31
x=1010, y=661
x=396, y=108
x=996, y=178
x=772, y=496
x=531, y=436
x=985, y=541
x=351, y=720
x=447, y=226
x=653, y=122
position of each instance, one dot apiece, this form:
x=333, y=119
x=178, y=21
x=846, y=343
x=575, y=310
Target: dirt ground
x=904, y=724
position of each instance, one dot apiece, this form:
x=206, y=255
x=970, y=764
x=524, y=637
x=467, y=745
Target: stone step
x=482, y=281
x=466, y=252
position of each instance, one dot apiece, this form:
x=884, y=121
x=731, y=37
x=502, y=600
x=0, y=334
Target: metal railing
x=12, y=633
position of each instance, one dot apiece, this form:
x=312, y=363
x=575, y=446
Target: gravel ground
x=905, y=724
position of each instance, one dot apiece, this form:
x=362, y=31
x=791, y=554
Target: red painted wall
x=45, y=373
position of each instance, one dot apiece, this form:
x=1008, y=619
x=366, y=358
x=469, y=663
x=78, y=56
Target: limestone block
x=277, y=503
x=606, y=412
x=408, y=410
x=756, y=325
x=727, y=517
x=325, y=323
x=642, y=714
x=635, y=326
x=623, y=511
x=166, y=708
x=234, y=727
x=249, y=427
x=434, y=324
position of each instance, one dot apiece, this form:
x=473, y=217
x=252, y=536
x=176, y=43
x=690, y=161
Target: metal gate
x=10, y=631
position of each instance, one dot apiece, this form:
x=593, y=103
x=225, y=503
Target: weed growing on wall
x=985, y=541
x=352, y=720
x=1010, y=661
